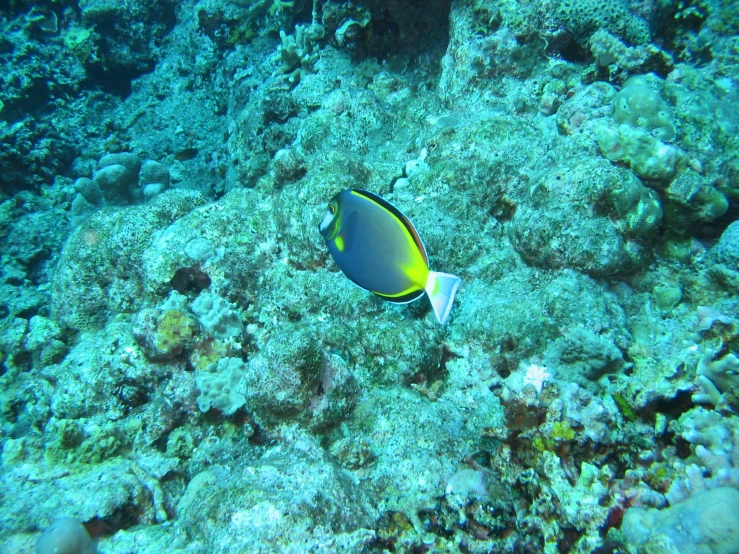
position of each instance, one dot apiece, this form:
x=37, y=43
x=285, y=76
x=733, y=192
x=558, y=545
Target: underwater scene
x=376, y=276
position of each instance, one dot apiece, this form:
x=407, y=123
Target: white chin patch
x=326, y=221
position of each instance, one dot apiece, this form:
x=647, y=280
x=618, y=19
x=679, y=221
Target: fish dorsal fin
x=398, y=214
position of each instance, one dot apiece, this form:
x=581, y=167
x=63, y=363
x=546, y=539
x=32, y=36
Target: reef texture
x=183, y=368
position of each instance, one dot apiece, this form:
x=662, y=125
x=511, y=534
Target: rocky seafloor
x=184, y=368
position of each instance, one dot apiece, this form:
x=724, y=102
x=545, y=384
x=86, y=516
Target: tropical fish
x=378, y=248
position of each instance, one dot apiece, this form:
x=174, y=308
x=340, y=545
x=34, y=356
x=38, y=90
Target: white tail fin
x=441, y=288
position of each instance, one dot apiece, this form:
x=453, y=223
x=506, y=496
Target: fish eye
x=331, y=210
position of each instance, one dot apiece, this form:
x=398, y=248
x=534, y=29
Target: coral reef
x=725, y=261
x=220, y=386
x=183, y=367
x=583, y=17
x=557, y=207
x=65, y=536
x=100, y=268
x=639, y=104
x=299, y=53
x=714, y=445
x=711, y=518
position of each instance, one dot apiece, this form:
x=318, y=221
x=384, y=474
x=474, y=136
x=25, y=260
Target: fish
x=379, y=250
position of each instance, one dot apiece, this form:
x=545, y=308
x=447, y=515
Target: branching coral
x=716, y=377
x=714, y=442
x=299, y=52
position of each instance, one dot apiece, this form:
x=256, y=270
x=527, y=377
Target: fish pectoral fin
x=348, y=231
x=441, y=289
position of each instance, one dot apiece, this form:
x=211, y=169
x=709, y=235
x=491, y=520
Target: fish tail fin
x=441, y=288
